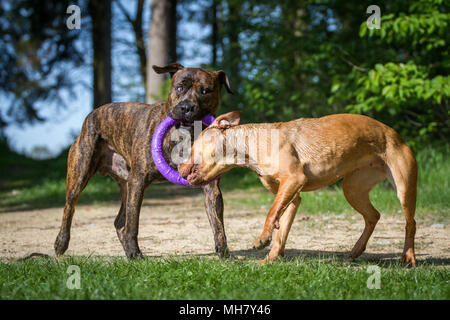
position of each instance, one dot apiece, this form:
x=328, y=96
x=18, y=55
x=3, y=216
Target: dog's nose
x=186, y=108
x=184, y=111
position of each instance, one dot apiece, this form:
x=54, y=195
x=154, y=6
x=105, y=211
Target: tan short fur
x=315, y=153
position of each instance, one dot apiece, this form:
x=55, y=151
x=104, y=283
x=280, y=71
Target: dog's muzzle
x=186, y=112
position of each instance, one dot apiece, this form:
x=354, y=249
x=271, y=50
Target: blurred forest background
x=285, y=59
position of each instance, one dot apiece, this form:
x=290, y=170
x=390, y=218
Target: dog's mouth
x=184, y=125
x=194, y=179
x=191, y=174
x=186, y=114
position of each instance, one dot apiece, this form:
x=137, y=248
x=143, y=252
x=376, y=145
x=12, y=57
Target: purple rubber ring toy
x=158, y=156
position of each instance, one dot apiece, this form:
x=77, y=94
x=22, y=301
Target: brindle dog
x=115, y=140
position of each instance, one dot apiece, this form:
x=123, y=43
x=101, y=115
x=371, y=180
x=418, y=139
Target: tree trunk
x=173, y=31
x=214, y=33
x=139, y=38
x=100, y=12
x=232, y=55
x=137, y=25
x=162, y=45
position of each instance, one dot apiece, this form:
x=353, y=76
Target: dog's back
x=338, y=136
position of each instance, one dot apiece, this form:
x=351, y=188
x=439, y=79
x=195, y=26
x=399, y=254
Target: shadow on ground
x=384, y=260
x=381, y=259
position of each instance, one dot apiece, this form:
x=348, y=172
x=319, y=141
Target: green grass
x=27, y=184
x=206, y=278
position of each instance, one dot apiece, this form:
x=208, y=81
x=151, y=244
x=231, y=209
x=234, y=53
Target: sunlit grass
x=209, y=278
x=29, y=184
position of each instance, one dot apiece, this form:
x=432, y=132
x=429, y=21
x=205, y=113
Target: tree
x=294, y=58
x=101, y=16
x=214, y=31
x=38, y=51
x=137, y=26
x=162, y=44
x=232, y=30
x=410, y=89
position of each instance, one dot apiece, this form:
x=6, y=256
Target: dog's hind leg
x=356, y=187
x=403, y=168
x=81, y=166
x=113, y=164
x=119, y=222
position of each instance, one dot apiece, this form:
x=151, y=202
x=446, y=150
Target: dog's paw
x=135, y=255
x=223, y=253
x=409, y=258
x=61, y=244
x=267, y=260
x=261, y=242
x=357, y=251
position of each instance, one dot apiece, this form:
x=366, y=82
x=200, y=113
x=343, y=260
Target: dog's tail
x=402, y=168
x=80, y=157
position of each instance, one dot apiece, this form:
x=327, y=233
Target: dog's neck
x=251, y=143
x=166, y=108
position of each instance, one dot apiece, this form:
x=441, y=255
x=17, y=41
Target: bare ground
x=178, y=226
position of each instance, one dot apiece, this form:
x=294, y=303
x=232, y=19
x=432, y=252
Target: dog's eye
x=179, y=89
x=205, y=91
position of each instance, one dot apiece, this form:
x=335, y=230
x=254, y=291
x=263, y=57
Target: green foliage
x=409, y=90
x=38, y=51
x=427, y=30
x=311, y=58
x=300, y=277
x=164, y=90
x=403, y=89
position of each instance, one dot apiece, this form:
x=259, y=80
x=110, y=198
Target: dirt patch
x=178, y=226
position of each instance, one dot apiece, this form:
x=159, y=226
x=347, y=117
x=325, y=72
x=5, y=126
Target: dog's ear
x=171, y=68
x=223, y=79
x=227, y=120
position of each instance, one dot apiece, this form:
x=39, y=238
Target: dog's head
x=207, y=159
x=195, y=92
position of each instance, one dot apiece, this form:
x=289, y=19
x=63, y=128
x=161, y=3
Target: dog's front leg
x=135, y=194
x=281, y=235
x=214, y=210
x=287, y=192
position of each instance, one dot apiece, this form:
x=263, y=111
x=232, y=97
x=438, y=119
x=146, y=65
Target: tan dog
x=311, y=154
